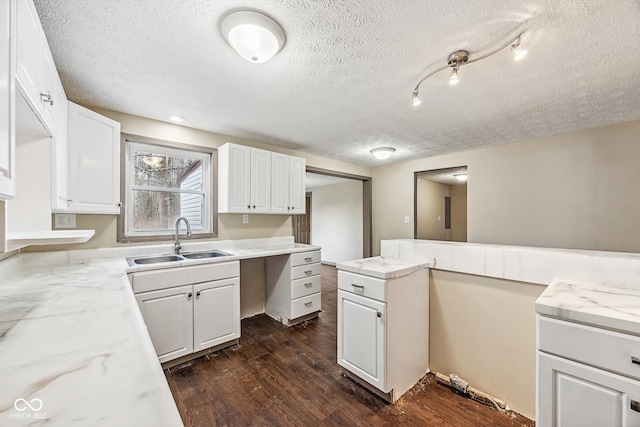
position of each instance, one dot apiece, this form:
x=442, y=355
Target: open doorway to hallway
x=338, y=215
x=440, y=204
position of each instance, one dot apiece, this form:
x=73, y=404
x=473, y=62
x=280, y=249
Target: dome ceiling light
x=382, y=153
x=256, y=37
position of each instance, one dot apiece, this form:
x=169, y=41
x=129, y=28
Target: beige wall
x=430, y=210
x=229, y=225
x=459, y=213
x=566, y=191
x=336, y=221
x=483, y=329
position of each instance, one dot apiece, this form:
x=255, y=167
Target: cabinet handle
x=308, y=272
x=46, y=97
x=358, y=286
x=635, y=360
x=308, y=259
x=308, y=285
x=254, y=206
x=189, y=295
x=308, y=304
x=635, y=406
x=119, y=204
x=288, y=208
x=198, y=294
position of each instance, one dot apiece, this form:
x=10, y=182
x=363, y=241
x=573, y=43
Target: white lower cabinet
x=586, y=376
x=383, y=330
x=293, y=287
x=190, y=318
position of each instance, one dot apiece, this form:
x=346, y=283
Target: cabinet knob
x=119, y=204
x=635, y=360
x=189, y=295
x=254, y=206
x=248, y=206
x=379, y=314
x=46, y=97
x=198, y=294
x=288, y=208
x=635, y=406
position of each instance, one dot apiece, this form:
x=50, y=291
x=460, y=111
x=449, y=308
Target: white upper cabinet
x=36, y=73
x=94, y=162
x=297, y=172
x=244, y=179
x=287, y=184
x=7, y=99
x=60, y=151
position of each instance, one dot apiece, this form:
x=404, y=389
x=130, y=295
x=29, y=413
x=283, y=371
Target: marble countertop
x=382, y=267
x=607, y=306
x=73, y=346
x=74, y=349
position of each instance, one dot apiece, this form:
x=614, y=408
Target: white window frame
x=132, y=143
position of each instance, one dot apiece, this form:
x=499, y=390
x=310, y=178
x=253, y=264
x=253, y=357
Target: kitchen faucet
x=176, y=243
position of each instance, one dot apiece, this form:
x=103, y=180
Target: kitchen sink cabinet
x=587, y=376
x=293, y=287
x=383, y=330
x=244, y=179
x=190, y=309
x=94, y=162
x=287, y=184
x=7, y=99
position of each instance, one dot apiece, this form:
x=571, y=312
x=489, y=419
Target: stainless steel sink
x=208, y=254
x=155, y=259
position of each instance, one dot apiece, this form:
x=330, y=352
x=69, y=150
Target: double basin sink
x=174, y=258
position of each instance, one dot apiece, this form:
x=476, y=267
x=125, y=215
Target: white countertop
x=73, y=343
x=382, y=267
x=610, y=307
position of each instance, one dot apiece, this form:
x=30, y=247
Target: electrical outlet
x=65, y=221
x=245, y=218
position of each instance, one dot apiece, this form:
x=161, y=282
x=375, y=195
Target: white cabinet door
x=29, y=54
x=361, y=337
x=94, y=162
x=260, y=181
x=280, y=183
x=60, y=151
x=297, y=171
x=216, y=313
x=572, y=394
x=234, y=178
x=7, y=99
x=168, y=315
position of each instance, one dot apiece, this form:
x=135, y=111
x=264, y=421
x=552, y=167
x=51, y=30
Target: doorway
x=302, y=223
x=440, y=204
x=364, y=220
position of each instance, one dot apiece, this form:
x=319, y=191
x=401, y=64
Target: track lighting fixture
x=461, y=57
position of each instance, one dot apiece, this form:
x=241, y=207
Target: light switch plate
x=65, y=221
x=407, y=219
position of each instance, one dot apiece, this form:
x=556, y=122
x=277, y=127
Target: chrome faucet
x=176, y=243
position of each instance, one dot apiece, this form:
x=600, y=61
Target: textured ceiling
x=342, y=83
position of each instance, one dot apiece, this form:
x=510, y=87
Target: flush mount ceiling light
x=256, y=37
x=382, y=153
x=461, y=176
x=177, y=119
x=461, y=57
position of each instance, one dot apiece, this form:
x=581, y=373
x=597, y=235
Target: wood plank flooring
x=280, y=376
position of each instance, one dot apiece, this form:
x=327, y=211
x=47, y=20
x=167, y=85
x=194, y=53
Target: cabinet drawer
x=305, y=305
x=369, y=287
x=304, y=258
x=611, y=351
x=305, y=271
x=305, y=286
x=167, y=278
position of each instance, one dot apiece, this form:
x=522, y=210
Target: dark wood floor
x=280, y=376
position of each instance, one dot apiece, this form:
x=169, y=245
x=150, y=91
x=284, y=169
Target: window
x=162, y=182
